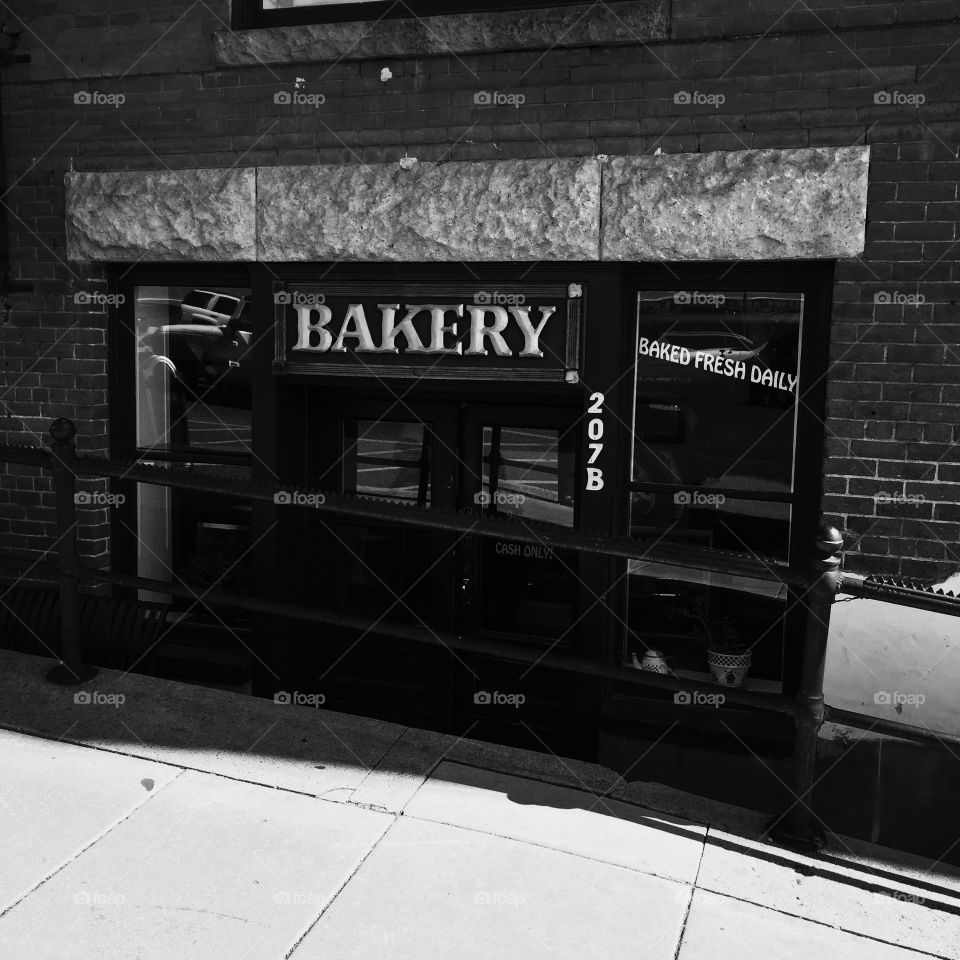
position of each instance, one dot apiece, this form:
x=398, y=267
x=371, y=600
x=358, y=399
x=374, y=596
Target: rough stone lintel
x=473, y=210
x=803, y=203
x=747, y=205
x=184, y=215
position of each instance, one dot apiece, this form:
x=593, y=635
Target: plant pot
x=729, y=669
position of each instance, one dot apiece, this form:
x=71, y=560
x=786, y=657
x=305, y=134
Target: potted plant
x=728, y=654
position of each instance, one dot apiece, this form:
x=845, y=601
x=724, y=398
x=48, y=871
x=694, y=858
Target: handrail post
x=70, y=669
x=796, y=828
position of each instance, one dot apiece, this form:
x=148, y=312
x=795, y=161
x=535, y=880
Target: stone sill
x=588, y=24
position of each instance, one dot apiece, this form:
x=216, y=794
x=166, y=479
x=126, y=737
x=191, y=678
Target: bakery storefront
x=672, y=400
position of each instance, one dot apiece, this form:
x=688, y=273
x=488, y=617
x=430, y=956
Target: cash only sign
x=435, y=330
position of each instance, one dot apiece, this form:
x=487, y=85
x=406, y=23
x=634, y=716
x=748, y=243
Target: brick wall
x=789, y=76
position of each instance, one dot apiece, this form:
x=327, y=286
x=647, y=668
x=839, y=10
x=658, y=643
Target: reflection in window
x=201, y=539
x=716, y=388
x=678, y=621
x=527, y=473
x=193, y=386
x=388, y=460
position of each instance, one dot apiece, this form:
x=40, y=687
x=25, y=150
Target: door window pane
x=527, y=473
x=193, y=386
x=384, y=571
x=388, y=460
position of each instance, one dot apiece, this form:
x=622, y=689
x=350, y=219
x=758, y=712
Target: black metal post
x=796, y=828
x=70, y=669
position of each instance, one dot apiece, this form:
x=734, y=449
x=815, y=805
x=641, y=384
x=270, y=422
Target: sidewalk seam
x=376, y=766
x=544, y=846
x=693, y=891
x=177, y=766
x=829, y=926
x=150, y=794
x=832, y=873
x=340, y=889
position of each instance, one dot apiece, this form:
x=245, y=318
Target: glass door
x=391, y=453
x=519, y=465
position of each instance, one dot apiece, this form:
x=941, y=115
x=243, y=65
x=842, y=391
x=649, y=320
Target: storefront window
x=199, y=539
x=713, y=460
x=193, y=369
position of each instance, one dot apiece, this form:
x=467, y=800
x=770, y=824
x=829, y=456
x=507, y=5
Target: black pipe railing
x=819, y=585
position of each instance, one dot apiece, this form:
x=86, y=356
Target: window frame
x=249, y=14
x=813, y=278
x=122, y=386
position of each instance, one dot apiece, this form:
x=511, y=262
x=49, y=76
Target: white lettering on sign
x=506, y=548
x=482, y=332
x=720, y=360
x=595, y=432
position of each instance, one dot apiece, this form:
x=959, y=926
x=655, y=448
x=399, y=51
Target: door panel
x=493, y=460
x=523, y=465
x=400, y=454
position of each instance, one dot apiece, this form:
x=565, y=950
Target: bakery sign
x=439, y=330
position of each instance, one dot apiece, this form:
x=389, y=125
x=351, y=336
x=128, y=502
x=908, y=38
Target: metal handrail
x=356, y=506
x=897, y=590
x=819, y=586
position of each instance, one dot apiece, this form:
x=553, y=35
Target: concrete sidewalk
x=147, y=819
